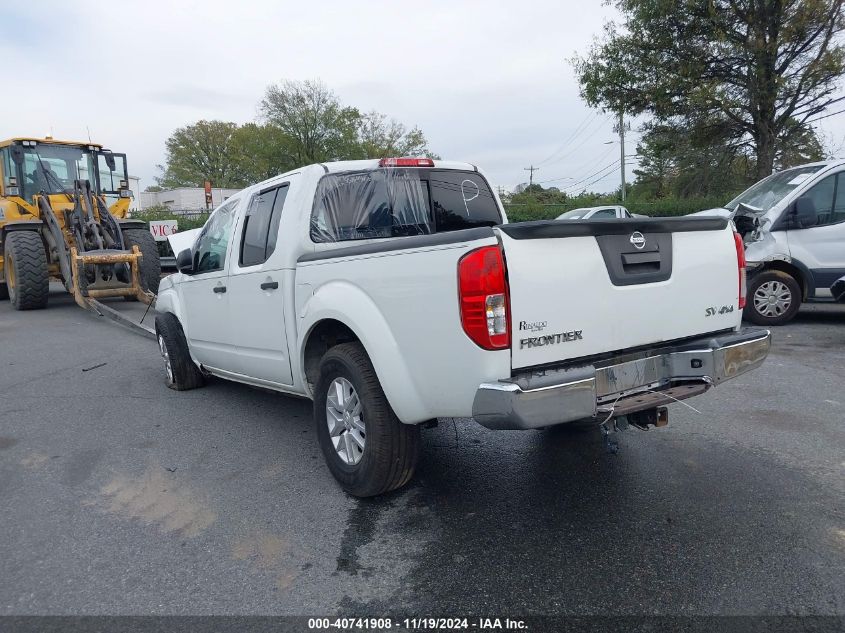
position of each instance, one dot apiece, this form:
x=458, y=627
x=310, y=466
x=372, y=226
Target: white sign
x=162, y=229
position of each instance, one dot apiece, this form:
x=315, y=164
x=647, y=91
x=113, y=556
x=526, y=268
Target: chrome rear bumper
x=621, y=385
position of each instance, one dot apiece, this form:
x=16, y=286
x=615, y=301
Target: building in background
x=184, y=198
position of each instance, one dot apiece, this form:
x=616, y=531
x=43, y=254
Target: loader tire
x=150, y=266
x=180, y=370
x=348, y=399
x=25, y=270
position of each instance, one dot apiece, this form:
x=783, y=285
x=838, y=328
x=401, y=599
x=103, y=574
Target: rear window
x=400, y=202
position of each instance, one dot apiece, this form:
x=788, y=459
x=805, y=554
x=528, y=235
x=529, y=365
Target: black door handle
x=219, y=288
x=270, y=285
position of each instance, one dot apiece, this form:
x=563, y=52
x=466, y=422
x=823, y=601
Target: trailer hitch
x=642, y=420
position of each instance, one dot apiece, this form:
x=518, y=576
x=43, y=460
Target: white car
x=394, y=292
x=596, y=213
x=793, y=226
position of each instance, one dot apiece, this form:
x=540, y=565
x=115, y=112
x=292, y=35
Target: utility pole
x=532, y=169
x=621, y=126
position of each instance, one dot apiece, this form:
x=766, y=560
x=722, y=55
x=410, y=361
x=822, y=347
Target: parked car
x=793, y=226
x=394, y=292
x=596, y=213
x=837, y=290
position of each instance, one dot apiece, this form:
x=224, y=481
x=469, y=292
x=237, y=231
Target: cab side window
x=604, y=213
x=213, y=241
x=838, y=213
x=261, y=226
x=829, y=199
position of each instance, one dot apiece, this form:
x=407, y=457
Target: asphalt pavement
x=120, y=496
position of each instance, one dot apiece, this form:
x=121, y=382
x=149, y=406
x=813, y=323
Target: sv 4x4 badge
x=723, y=310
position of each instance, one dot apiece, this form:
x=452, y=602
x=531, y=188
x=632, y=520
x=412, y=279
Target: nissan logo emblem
x=638, y=240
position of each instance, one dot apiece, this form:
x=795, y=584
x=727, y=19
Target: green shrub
x=163, y=213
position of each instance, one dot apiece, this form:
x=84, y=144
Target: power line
x=581, y=127
x=826, y=116
x=606, y=168
x=581, y=144
x=597, y=160
x=607, y=173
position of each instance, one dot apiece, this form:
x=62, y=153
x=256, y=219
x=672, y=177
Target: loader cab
x=32, y=166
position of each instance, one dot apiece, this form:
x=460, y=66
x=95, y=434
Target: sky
x=490, y=83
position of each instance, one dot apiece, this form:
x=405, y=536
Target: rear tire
x=390, y=452
x=181, y=372
x=150, y=265
x=773, y=298
x=25, y=270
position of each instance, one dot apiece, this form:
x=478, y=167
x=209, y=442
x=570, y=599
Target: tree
x=200, y=152
x=702, y=161
x=379, y=137
x=657, y=152
x=803, y=145
x=302, y=123
x=699, y=161
x=259, y=152
x=311, y=115
x=764, y=68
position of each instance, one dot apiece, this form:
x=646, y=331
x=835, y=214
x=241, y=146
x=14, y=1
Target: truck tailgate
x=582, y=288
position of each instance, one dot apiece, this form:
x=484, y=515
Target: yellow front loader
x=63, y=215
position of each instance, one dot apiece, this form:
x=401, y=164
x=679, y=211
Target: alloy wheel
x=345, y=421
x=168, y=368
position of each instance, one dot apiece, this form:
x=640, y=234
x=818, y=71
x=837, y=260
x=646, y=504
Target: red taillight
x=740, y=261
x=406, y=162
x=483, y=296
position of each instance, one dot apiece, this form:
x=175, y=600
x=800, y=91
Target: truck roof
x=359, y=165
x=48, y=141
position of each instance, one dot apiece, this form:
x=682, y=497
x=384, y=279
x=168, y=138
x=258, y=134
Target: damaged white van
x=793, y=227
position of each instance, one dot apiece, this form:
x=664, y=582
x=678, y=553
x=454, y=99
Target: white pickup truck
x=394, y=292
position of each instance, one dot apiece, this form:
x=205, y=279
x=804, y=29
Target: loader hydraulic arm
x=56, y=240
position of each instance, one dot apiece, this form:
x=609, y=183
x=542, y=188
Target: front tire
x=150, y=265
x=773, y=298
x=25, y=270
x=181, y=373
x=367, y=449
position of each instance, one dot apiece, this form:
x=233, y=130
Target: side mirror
x=185, y=261
x=805, y=212
x=110, y=160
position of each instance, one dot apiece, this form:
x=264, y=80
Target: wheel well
x=789, y=269
x=325, y=335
